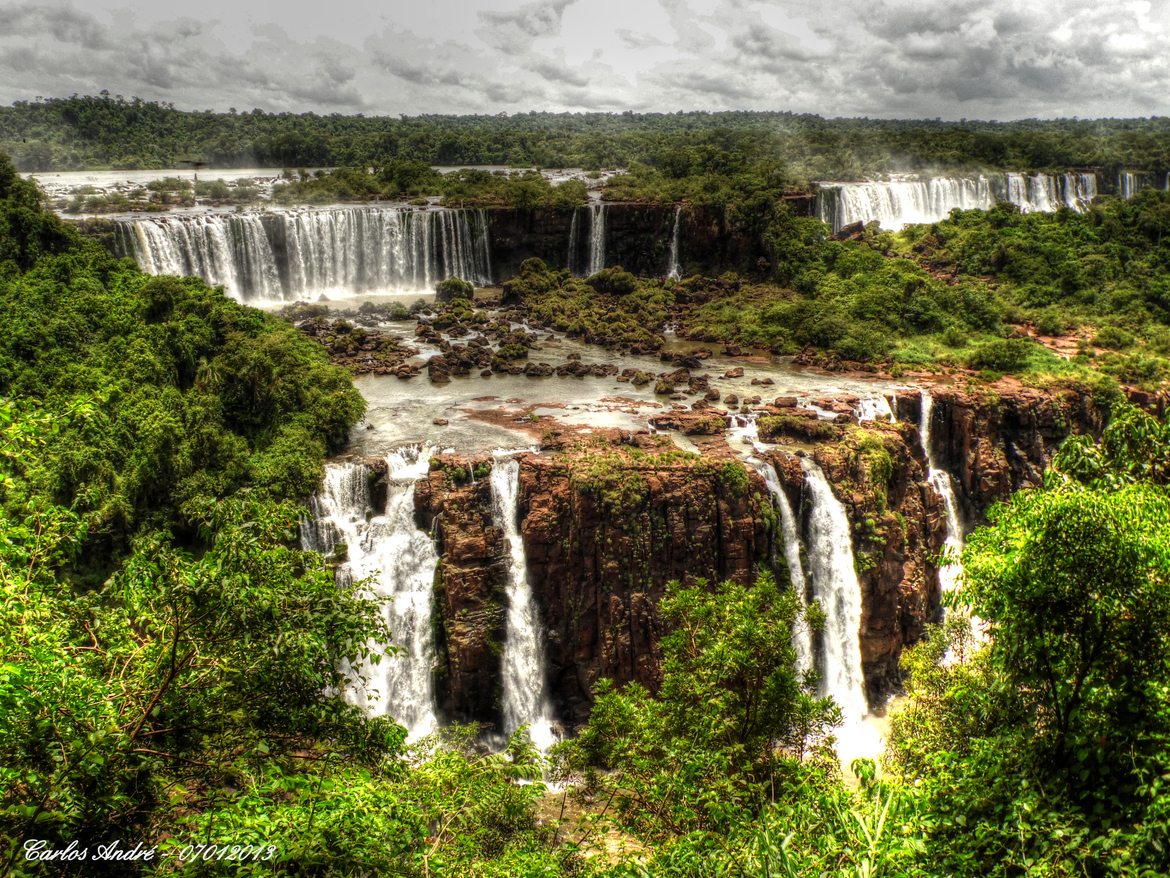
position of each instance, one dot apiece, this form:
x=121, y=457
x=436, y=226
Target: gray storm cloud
x=899, y=58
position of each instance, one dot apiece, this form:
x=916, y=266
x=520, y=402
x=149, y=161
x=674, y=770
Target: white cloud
x=974, y=58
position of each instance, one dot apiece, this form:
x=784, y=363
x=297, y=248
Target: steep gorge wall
x=995, y=442
x=605, y=530
x=602, y=539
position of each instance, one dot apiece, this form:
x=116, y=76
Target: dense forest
x=111, y=132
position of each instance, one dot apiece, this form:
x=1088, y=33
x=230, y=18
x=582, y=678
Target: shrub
x=1113, y=337
x=1002, y=355
x=453, y=288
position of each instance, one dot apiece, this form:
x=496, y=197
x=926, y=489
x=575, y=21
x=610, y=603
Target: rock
x=733, y=350
x=731, y=399
x=737, y=372
x=786, y=402
x=439, y=422
x=762, y=381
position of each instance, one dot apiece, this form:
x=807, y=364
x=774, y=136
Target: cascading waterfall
x=897, y=202
x=835, y=588
x=574, y=243
x=596, y=237
x=674, y=269
x=525, y=698
x=870, y=409
x=401, y=560
x=941, y=480
x=1128, y=184
x=299, y=253
x=801, y=636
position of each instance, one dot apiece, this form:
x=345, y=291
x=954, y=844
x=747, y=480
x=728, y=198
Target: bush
x=1113, y=337
x=453, y=288
x=1002, y=355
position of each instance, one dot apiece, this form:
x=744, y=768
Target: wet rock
x=439, y=422
x=786, y=402
x=761, y=382
x=733, y=350
x=737, y=372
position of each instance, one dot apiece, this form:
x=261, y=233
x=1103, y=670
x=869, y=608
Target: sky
x=975, y=59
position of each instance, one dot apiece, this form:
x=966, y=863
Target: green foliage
x=198, y=396
x=1044, y=752
x=453, y=288
x=1002, y=355
x=678, y=148
x=1135, y=447
x=731, y=723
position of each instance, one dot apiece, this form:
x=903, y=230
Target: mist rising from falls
x=835, y=588
x=895, y=203
x=401, y=559
x=674, y=269
x=525, y=698
x=304, y=253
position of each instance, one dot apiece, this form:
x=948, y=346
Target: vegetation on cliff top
x=108, y=131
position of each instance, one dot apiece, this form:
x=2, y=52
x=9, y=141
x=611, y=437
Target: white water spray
x=305, y=252
x=675, y=270
x=596, y=238
x=899, y=201
x=525, y=698
x=835, y=587
x=401, y=559
x=801, y=636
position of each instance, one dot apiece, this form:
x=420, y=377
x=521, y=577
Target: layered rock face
x=606, y=528
x=898, y=525
x=469, y=587
x=995, y=442
x=603, y=535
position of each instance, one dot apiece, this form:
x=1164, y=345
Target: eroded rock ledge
x=606, y=526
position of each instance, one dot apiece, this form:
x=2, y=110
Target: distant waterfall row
x=300, y=254
x=896, y=203
x=1130, y=183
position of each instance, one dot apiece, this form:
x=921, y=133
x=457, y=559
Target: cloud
x=902, y=58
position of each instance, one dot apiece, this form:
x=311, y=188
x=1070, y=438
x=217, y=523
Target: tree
x=730, y=726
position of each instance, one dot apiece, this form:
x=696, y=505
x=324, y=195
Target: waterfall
x=801, y=636
x=303, y=253
x=571, y=261
x=674, y=269
x=1129, y=184
x=525, y=699
x=941, y=480
x=835, y=587
x=870, y=409
x=401, y=561
x=898, y=202
x=596, y=237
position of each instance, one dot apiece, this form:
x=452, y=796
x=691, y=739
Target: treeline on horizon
x=100, y=132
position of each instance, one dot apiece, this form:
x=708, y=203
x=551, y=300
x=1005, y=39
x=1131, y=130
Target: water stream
x=304, y=253
x=399, y=559
x=674, y=269
x=596, y=237
x=525, y=695
x=835, y=588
